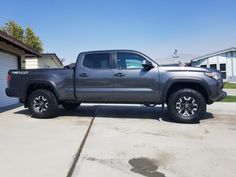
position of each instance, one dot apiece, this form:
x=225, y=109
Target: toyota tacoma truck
x=117, y=76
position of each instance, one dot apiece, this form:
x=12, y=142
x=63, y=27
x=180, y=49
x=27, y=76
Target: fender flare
x=48, y=83
x=173, y=80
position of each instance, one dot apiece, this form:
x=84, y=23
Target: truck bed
x=61, y=79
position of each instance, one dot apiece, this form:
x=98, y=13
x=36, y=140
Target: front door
x=94, y=78
x=134, y=83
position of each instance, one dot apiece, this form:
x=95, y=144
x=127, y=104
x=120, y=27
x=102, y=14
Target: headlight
x=213, y=75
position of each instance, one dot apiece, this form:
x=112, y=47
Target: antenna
x=175, y=55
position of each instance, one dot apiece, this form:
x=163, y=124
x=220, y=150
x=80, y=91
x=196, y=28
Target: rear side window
x=97, y=61
x=129, y=61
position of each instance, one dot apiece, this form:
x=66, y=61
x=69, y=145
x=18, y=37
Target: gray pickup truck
x=117, y=76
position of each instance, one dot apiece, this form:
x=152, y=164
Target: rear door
x=94, y=77
x=134, y=83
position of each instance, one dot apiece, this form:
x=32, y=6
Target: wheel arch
x=177, y=84
x=32, y=86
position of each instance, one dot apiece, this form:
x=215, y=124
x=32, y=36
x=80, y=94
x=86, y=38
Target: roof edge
x=18, y=43
x=214, y=53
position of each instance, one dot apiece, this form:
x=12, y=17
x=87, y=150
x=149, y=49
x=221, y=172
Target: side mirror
x=147, y=64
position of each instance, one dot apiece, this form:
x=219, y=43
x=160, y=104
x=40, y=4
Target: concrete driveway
x=123, y=141
x=40, y=148
x=130, y=141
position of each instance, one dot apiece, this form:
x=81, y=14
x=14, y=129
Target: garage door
x=7, y=62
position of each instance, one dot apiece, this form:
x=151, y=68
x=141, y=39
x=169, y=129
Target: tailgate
x=16, y=83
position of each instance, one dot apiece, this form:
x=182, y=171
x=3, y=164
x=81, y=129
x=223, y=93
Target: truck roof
x=117, y=50
x=112, y=50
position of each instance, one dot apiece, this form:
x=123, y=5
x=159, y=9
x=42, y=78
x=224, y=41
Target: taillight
x=8, y=79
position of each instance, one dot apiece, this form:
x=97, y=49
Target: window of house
x=97, y=61
x=223, y=70
x=213, y=66
x=203, y=66
x=129, y=61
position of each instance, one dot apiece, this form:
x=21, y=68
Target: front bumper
x=220, y=96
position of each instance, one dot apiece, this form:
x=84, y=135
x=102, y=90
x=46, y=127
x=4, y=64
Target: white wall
x=212, y=60
x=34, y=63
x=48, y=63
x=229, y=64
x=200, y=62
x=31, y=63
x=234, y=63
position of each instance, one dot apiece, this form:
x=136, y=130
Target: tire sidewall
x=52, y=104
x=186, y=92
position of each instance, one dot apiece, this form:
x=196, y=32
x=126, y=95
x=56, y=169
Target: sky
x=154, y=27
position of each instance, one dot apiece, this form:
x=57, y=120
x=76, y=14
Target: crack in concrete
x=77, y=156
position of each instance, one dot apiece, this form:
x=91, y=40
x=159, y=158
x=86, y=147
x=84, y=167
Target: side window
x=129, y=61
x=213, y=66
x=97, y=61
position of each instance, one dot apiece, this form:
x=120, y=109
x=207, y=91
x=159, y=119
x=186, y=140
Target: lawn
x=229, y=99
x=229, y=85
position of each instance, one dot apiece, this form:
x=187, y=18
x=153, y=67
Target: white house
x=46, y=60
x=223, y=60
x=15, y=55
x=12, y=55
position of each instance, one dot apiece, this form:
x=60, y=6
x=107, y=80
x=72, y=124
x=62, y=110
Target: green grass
x=229, y=85
x=229, y=99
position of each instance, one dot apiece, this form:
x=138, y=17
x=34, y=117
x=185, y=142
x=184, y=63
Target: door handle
x=83, y=75
x=119, y=75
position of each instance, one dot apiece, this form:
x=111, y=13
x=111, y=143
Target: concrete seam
x=77, y=156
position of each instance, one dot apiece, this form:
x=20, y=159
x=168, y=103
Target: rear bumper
x=12, y=92
x=7, y=91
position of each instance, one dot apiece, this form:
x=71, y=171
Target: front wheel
x=186, y=106
x=42, y=103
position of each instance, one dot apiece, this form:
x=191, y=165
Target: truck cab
x=116, y=76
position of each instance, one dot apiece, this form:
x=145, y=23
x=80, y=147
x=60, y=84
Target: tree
x=14, y=30
x=26, y=36
x=32, y=40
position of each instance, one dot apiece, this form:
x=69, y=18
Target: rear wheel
x=69, y=105
x=186, y=106
x=42, y=104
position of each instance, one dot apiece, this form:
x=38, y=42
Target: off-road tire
x=50, y=107
x=175, y=106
